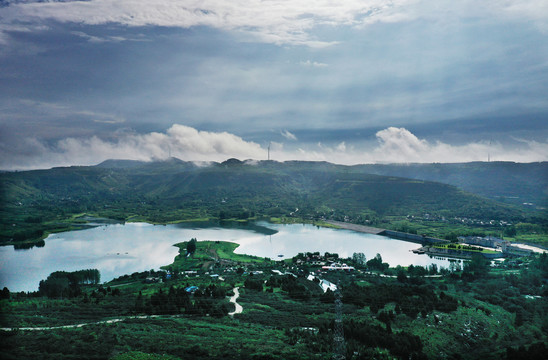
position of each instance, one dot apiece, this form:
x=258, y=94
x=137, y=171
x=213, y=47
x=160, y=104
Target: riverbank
x=356, y=227
x=419, y=239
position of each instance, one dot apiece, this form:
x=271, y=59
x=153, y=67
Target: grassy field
x=465, y=248
x=208, y=253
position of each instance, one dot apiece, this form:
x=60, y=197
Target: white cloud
x=395, y=145
x=535, y=10
x=399, y=145
x=289, y=136
x=341, y=147
x=97, y=39
x=179, y=141
x=187, y=140
x=316, y=64
x=274, y=21
x=277, y=21
x=58, y=110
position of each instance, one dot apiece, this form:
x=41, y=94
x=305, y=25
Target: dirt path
x=233, y=299
x=111, y=321
x=239, y=307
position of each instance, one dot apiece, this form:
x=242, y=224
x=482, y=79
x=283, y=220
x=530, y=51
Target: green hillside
x=516, y=183
x=36, y=202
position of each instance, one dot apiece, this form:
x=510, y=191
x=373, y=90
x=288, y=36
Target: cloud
x=289, y=136
x=98, y=39
x=187, y=140
x=341, y=147
x=309, y=63
x=535, y=10
x=399, y=145
x=43, y=109
x=179, y=141
x=394, y=145
x=275, y=21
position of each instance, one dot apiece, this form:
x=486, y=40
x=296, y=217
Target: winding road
x=239, y=307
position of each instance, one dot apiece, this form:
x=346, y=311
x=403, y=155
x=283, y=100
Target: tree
x=401, y=276
x=191, y=246
x=478, y=266
x=254, y=284
x=53, y=287
x=359, y=258
x=510, y=231
x=62, y=283
x=5, y=293
x=377, y=264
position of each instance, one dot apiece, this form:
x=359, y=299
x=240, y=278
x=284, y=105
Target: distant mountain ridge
x=174, y=190
x=511, y=182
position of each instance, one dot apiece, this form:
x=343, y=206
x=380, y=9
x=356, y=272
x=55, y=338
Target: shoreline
x=356, y=227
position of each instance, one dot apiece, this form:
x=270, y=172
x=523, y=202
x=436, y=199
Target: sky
x=371, y=81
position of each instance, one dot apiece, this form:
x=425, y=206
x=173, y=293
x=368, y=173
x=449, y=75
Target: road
x=239, y=307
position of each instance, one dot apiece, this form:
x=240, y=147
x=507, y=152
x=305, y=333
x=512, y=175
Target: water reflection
x=293, y=239
x=257, y=227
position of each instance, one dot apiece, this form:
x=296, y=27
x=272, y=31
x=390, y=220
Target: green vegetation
x=470, y=311
x=508, y=182
x=464, y=248
x=478, y=312
x=67, y=284
x=209, y=253
x=36, y=203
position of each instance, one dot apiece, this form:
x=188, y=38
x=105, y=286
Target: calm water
x=118, y=249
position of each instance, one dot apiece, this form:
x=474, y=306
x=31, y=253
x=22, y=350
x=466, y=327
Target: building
x=337, y=266
x=489, y=241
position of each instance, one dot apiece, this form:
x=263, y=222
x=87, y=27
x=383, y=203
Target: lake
x=118, y=249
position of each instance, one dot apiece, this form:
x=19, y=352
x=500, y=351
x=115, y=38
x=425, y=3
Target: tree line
x=67, y=284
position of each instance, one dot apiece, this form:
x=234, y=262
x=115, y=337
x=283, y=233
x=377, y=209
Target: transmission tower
x=339, y=346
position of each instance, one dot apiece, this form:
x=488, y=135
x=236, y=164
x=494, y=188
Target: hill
x=34, y=202
x=516, y=183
